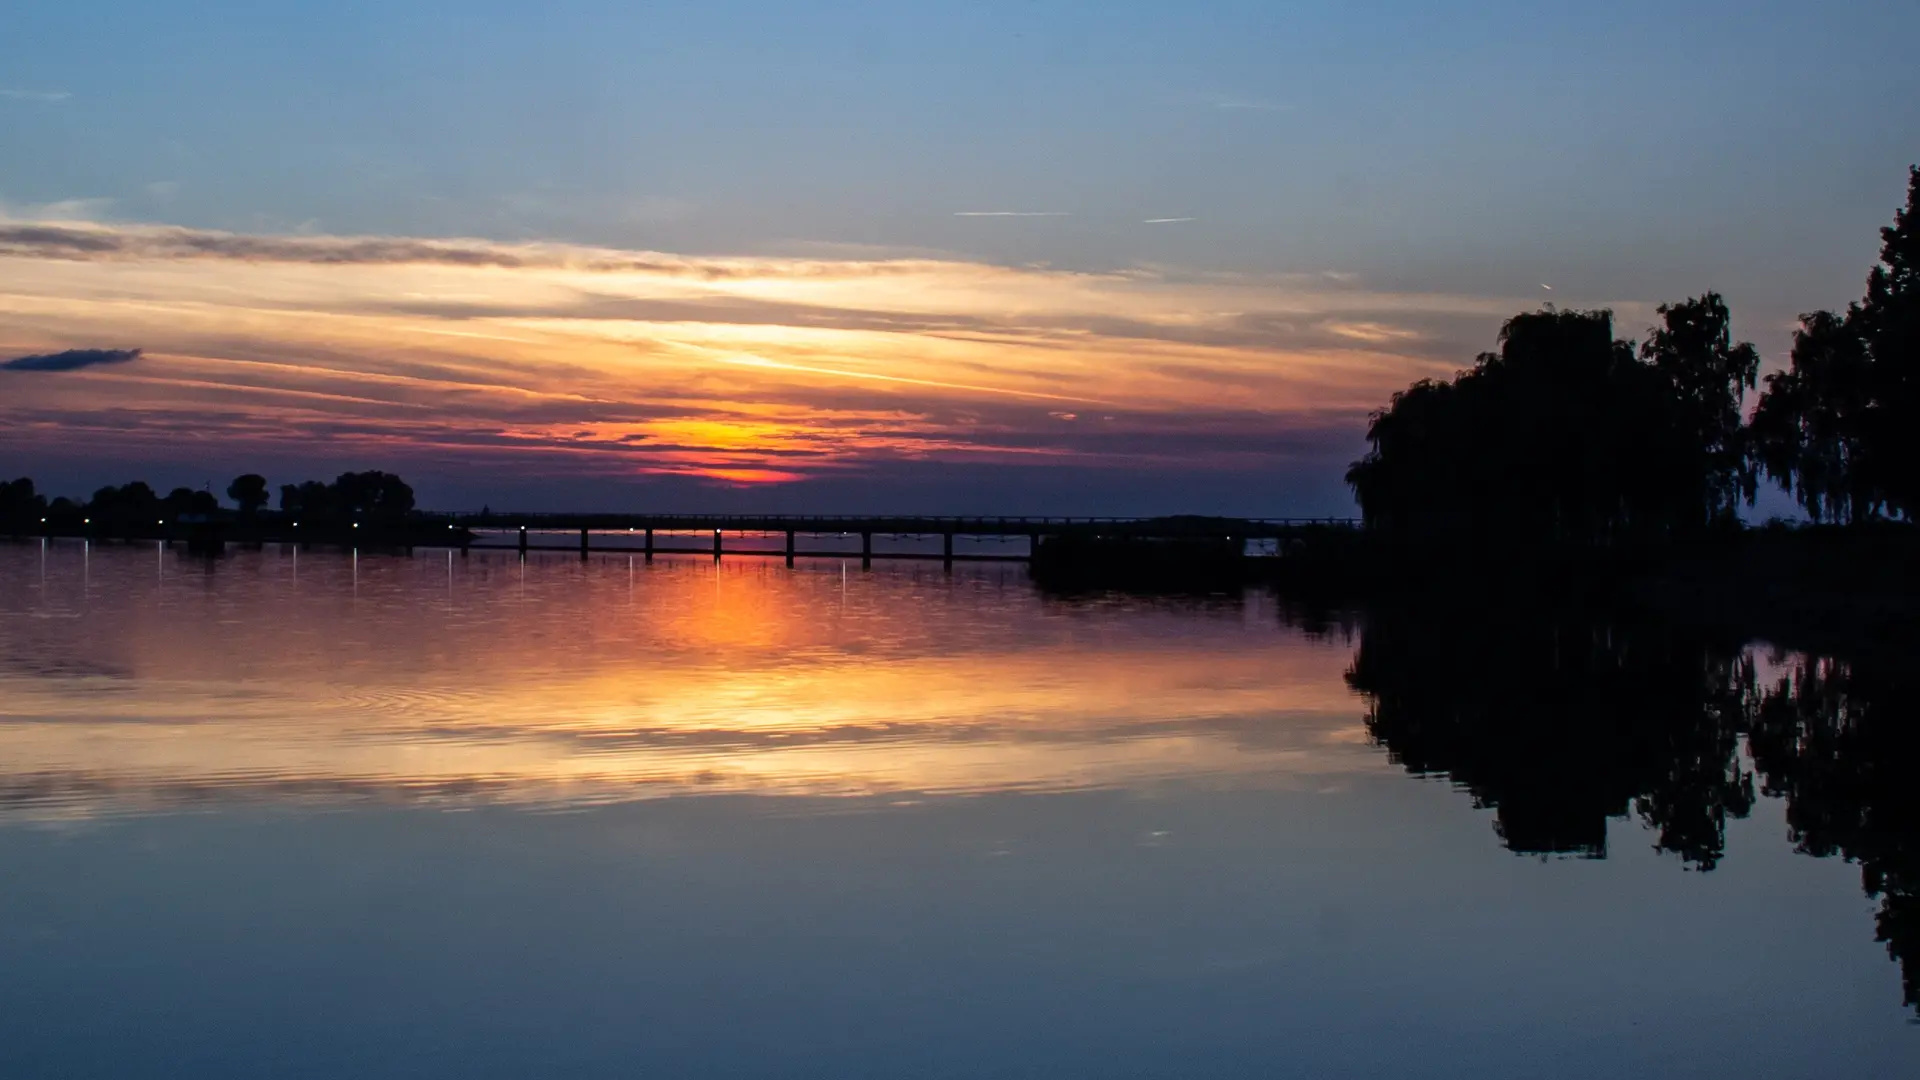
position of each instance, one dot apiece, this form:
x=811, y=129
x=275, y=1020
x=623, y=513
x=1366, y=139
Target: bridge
x=703, y=534
x=641, y=533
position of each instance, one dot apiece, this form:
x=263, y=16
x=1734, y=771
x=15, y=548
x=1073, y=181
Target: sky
x=987, y=257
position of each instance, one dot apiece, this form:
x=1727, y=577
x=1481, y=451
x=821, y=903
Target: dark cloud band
x=71, y=360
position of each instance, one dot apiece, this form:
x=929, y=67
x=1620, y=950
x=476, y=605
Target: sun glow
x=524, y=357
x=564, y=682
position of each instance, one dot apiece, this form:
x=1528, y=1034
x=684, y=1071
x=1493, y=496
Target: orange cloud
x=746, y=370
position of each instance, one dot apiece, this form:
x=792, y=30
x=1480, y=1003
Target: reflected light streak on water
x=557, y=681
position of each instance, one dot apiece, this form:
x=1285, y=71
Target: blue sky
x=1452, y=144
x=1627, y=152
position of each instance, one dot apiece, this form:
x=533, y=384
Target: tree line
x=373, y=496
x=1568, y=435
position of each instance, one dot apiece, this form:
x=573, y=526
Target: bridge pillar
x=649, y=545
x=583, y=543
x=523, y=539
x=946, y=549
x=789, y=547
x=716, y=545
x=1033, y=545
x=866, y=550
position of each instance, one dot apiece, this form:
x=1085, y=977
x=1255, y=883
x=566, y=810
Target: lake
x=304, y=813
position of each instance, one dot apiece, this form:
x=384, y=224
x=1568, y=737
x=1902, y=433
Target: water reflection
x=556, y=682
x=1218, y=813
x=1561, y=720
x=1839, y=742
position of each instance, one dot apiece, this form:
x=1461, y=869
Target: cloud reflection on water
x=320, y=678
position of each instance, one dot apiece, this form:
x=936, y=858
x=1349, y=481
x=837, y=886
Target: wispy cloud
x=70, y=360
x=1011, y=213
x=47, y=97
x=60, y=231
x=538, y=360
x=1166, y=220
x=1247, y=104
x=64, y=212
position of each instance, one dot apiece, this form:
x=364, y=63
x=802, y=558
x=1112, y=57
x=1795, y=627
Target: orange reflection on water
x=137, y=680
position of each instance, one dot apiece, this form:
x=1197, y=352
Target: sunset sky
x=1016, y=257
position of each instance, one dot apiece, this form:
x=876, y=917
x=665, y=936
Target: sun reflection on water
x=560, y=682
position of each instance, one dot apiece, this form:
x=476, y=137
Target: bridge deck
x=903, y=525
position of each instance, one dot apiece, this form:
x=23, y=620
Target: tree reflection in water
x=1559, y=721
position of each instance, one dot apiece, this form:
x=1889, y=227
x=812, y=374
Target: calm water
x=318, y=815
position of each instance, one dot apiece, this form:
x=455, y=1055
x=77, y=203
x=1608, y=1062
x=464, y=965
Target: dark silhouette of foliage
x=1840, y=428
x=1809, y=431
x=135, y=510
x=1709, y=376
x=128, y=507
x=312, y=499
x=249, y=493
x=364, y=496
x=185, y=502
x=1564, y=436
x=1889, y=322
x=374, y=496
x=20, y=504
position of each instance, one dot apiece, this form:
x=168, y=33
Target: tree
x=1709, y=375
x=1563, y=436
x=1840, y=428
x=1810, y=430
x=20, y=504
x=129, y=504
x=1888, y=321
x=182, y=501
x=369, y=496
x=311, y=499
x=249, y=493
x=373, y=495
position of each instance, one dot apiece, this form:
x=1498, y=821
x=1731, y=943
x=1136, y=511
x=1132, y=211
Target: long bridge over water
x=794, y=535
x=675, y=533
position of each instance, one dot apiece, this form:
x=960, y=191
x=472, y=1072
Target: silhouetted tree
x=376, y=496
x=1809, y=431
x=1840, y=428
x=130, y=506
x=183, y=501
x=1709, y=376
x=311, y=499
x=364, y=496
x=1889, y=322
x=249, y=493
x=20, y=504
x=1565, y=436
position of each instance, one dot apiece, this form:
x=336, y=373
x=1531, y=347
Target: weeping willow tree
x=1840, y=427
x=1567, y=435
